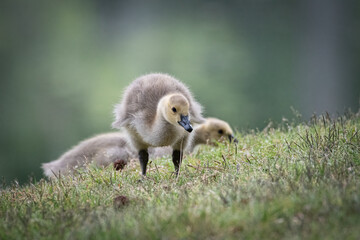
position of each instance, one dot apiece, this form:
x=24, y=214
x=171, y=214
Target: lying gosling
x=103, y=150
x=211, y=130
x=113, y=148
x=155, y=110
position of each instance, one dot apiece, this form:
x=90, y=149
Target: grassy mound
x=294, y=181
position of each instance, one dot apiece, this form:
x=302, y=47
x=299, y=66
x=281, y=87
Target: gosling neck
x=161, y=122
x=201, y=135
x=161, y=114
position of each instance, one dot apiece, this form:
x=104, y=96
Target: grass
x=294, y=181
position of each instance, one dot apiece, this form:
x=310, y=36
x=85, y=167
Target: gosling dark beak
x=231, y=137
x=185, y=123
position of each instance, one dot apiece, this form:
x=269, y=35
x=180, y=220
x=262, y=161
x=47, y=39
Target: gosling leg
x=144, y=158
x=176, y=160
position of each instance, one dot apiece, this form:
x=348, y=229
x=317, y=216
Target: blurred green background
x=64, y=64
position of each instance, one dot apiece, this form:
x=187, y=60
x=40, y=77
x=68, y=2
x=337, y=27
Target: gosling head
x=176, y=111
x=218, y=130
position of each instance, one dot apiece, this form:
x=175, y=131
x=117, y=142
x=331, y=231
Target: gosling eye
x=173, y=109
x=220, y=131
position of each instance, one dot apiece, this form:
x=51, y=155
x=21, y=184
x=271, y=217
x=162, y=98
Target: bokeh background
x=64, y=64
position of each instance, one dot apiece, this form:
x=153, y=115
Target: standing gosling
x=155, y=110
x=103, y=150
